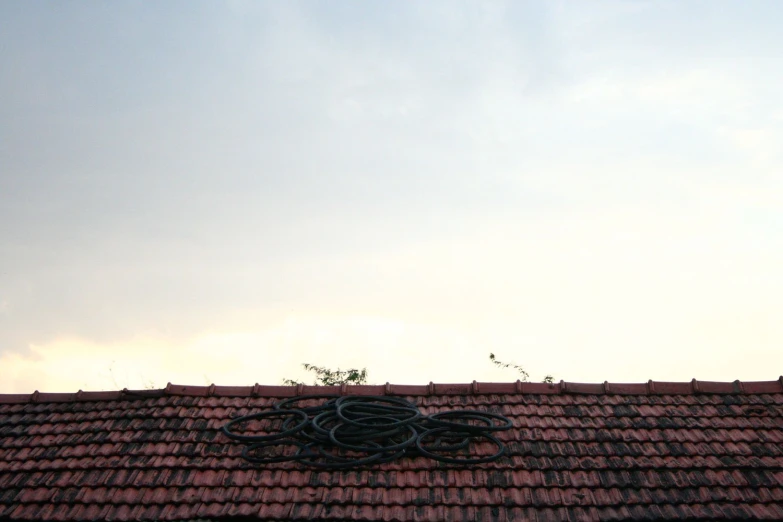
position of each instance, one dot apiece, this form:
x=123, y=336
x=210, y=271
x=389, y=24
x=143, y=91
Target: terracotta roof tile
x=577, y=451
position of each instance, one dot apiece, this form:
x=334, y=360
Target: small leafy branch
x=524, y=375
x=326, y=377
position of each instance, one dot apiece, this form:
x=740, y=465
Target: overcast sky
x=203, y=192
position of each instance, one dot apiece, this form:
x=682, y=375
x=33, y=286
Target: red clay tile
x=158, y=495
x=362, y=512
x=718, y=387
x=451, y=389
x=69, y=512
x=650, y=449
x=405, y=389
x=275, y=511
x=670, y=388
x=217, y=495
x=98, y=395
x=540, y=388
x=212, y=511
x=491, y=388
x=26, y=512
x=207, y=478
x=242, y=510
x=775, y=511
x=189, y=391
x=120, y=513
x=14, y=398
x=180, y=512
x=626, y=388
x=763, y=386
x=582, y=388
x=186, y=495
x=232, y=391
x=247, y=495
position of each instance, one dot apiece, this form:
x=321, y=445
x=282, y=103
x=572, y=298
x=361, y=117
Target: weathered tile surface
x=607, y=451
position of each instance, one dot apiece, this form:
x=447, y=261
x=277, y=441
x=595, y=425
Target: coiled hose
x=352, y=431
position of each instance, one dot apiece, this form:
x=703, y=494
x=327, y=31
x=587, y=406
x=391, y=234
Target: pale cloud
x=390, y=349
x=629, y=294
x=591, y=190
x=759, y=143
x=711, y=94
x=606, y=344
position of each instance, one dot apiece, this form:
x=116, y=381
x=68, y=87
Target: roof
x=655, y=450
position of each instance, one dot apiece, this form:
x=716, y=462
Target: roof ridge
x=475, y=388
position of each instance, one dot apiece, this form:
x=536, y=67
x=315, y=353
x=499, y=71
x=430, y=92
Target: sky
x=203, y=192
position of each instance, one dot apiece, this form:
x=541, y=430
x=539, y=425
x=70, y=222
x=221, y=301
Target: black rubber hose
x=352, y=431
x=452, y=460
x=486, y=417
x=263, y=415
x=378, y=447
x=289, y=403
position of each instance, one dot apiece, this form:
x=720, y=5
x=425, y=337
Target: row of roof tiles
x=670, y=452
x=320, y=511
x=117, y=443
x=541, y=455
x=146, y=468
x=158, y=429
x=648, y=388
x=517, y=454
x=645, y=417
x=451, y=496
x=545, y=457
x=222, y=480
x=561, y=405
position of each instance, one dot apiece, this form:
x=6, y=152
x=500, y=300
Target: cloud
x=629, y=294
x=758, y=144
x=555, y=180
x=403, y=352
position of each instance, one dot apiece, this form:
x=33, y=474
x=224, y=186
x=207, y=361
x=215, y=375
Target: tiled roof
x=607, y=451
